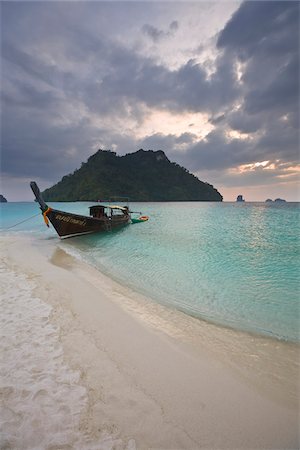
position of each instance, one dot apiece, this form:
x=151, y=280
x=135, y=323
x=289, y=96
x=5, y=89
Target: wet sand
x=156, y=378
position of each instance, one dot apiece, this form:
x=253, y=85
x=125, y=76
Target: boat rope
x=19, y=223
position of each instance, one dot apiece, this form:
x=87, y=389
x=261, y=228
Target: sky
x=215, y=85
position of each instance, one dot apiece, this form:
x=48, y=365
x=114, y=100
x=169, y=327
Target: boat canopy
x=99, y=211
x=97, y=207
x=122, y=208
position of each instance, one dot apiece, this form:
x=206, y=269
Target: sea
x=233, y=264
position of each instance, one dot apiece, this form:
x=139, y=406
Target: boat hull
x=69, y=224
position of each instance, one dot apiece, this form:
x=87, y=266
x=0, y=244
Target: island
x=277, y=200
x=140, y=176
x=240, y=198
x=2, y=199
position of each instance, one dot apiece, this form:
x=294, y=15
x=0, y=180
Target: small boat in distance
x=102, y=218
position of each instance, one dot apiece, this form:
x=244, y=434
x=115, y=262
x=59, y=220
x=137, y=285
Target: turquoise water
x=233, y=264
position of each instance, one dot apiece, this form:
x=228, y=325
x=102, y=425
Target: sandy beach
x=147, y=377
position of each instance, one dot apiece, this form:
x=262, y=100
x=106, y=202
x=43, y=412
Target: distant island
x=141, y=176
x=240, y=198
x=277, y=200
x=2, y=199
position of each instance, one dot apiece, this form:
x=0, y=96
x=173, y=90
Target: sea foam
x=42, y=398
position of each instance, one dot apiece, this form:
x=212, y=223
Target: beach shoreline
x=155, y=377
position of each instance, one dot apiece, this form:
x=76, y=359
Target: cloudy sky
x=215, y=85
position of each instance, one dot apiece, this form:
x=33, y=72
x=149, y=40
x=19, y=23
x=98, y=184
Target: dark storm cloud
x=169, y=141
x=156, y=35
x=264, y=37
x=185, y=89
x=270, y=19
x=243, y=123
x=281, y=94
x=52, y=148
x=118, y=76
x=219, y=151
x=113, y=80
x=28, y=64
x=65, y=81
x=214, y=152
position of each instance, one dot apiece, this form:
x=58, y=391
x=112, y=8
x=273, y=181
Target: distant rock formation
x=240, y=198
x=2, y=199
x=141, y=176
x=277, y=200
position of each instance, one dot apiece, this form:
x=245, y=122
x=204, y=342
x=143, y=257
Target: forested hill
x=141, y=176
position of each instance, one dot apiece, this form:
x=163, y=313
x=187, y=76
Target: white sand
x=156, y=378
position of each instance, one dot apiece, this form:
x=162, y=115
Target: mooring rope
x=19, y=223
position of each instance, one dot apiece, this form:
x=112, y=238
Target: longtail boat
x=66, y=224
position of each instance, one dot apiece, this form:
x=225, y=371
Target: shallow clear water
x=233, y=264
